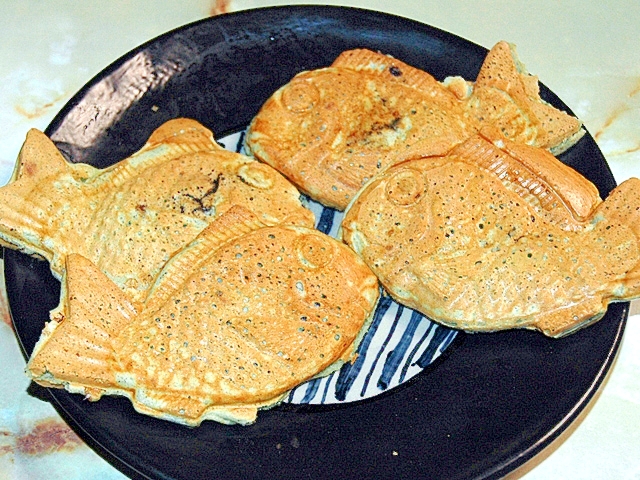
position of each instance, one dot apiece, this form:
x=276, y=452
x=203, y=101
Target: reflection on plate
x=487, y=404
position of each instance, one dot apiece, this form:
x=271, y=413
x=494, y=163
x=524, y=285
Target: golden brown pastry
x=497, y=235
x=130, y=218
x=330, y=130
x=233, y=322
x=507, y=98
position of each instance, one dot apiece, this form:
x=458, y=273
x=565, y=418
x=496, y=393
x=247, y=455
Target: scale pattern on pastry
x=232, y=323
x=330, y=130
x=131, y=218
x=497, y=235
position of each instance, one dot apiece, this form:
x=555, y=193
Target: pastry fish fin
x=623, y=205
x=441, y=272
x=183, y=131
x=38, y=158
x=367, y=60
x=564, y=321
x=24, y=208
x=561, y=193
x=233, y=223
x=171, y=140
x=74, y=350
x=502, y=71
x=622, y=208
x=577, y=192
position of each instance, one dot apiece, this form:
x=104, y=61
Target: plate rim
x=62, y=400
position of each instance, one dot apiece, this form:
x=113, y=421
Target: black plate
x=491, y=401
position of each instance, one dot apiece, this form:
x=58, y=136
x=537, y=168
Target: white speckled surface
x=585, y=51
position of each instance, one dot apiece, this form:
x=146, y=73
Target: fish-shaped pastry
x=330, y=130
x=233, y=322
x=130, y=218
x=497, y=235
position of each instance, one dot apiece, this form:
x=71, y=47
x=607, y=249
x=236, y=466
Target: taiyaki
x=130, y=218
x=497, y=235
x=330, y=130
x=233, y=322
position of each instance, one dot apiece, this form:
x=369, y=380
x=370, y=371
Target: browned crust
x=496, y=235
x=331, y=130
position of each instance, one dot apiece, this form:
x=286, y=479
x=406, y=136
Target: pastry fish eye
x=314, y=251
x=405, y=187
x=257, y=175
x=300, y=96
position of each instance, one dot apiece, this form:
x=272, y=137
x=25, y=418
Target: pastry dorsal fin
x=173, y=139
x=486, y=155
x=536, y=176
x=75, y=347
x=180, y=131
x=235, y=222
x=370, y=61
x=578, y=193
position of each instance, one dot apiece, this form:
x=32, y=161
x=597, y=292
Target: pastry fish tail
x=616, y=250
x=75, y=348
x=620, y=216
x=507, y=96
x=24, y=211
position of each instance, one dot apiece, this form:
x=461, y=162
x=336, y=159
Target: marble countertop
x=585, y=51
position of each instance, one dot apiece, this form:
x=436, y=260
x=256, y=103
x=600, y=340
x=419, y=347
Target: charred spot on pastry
x=395, y=71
